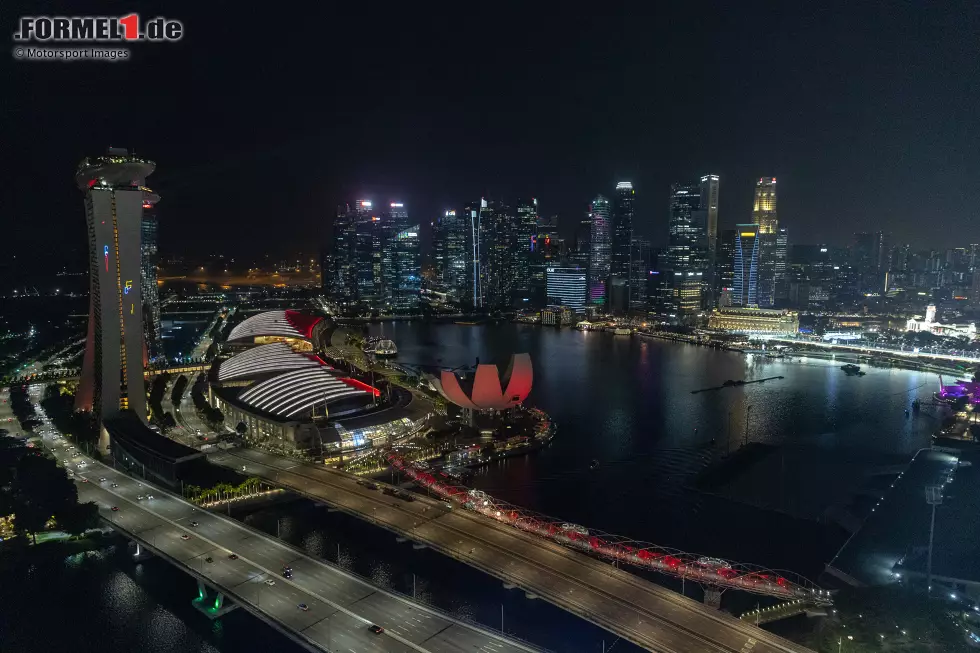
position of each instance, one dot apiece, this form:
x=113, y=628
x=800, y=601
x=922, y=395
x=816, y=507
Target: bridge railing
x=688, y=566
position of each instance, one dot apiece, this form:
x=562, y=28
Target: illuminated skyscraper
x=599, y=251
x=112, y=366
x=745, y=273
x=341, y=283
x=148, y=276
x=709, y=203
x=687, y=248
x=525, y=233
x=764, y=206
x=403, y=273
x=772, y=249
x=621, y=233
x=453, y=254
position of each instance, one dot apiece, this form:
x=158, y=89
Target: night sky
x=260, y=124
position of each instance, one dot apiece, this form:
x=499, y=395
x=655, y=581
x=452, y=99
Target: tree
x=40, y=491
x=79, y=518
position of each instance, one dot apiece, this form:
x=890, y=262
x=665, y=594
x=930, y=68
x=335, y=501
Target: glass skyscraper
x=599, y=251
x=148, y=277
x=687, y=248
x=620, y=246
x=567, y=287
x=745, y=272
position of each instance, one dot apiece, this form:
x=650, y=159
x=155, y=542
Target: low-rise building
x=754, y=320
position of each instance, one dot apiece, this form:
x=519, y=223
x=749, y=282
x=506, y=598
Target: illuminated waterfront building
x=112, y=366
x=754, y=320
x=567, y=287
x=620, y=248
x=599, y=251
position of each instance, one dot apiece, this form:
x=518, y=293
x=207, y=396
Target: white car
x=270, y=582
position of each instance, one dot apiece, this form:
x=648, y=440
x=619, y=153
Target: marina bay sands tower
x=112, y=367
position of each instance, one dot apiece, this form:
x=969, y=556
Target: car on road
x=139, y=497
x=102, y=479
x=209, y=559
x=233, y=556
x=377, y=630
x=194, y=523
x=114, y=485
x=84, y=480
x=115, y=509
x=270, y=582
x=303, y=607
x=287, y=572
x=66, y=461
x=185, y=537
x=149, y=496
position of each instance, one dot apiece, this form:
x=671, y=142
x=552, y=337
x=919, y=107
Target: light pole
x=934, y=497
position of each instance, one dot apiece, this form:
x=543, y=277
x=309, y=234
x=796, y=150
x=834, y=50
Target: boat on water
x=385, y=348
x=852, y=370
x=623, y=332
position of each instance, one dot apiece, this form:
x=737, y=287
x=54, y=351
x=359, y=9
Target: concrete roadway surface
x=341, y=607
x=629, y=606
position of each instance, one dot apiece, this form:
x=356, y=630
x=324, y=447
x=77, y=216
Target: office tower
x=403, y=274
x=522, y=252
x=709, y=203
x=393, y=221
x=148, y=277
x=781, y=283
x=621, y=239
x=453, y=255
x=725, y=267
x=599, y=250
x=546, y=252
x=640, y=266
x=870, y=258
x=503, y=243
x=764, y=215
x=567, y=287
x=687, y=248
x=472, y=213
x=745, y=277
x=764, y=206
x=112, y=366
x=548, y=224
x=368, y=238
x=342, y=286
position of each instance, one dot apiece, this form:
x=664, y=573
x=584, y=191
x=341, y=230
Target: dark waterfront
x=626, y=402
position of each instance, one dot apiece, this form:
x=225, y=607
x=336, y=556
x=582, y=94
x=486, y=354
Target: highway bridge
x=339, y=607
x=631, y=607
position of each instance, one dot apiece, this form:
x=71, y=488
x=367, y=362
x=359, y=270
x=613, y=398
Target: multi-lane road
x=627, y=605
x=340, y=608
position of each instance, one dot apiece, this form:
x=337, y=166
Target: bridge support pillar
x=142, y=553
x=211, y=608
x=712, y=597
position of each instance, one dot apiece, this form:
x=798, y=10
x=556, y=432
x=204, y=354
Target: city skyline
x=864, y=149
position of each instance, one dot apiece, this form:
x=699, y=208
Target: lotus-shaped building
x=487, y=389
